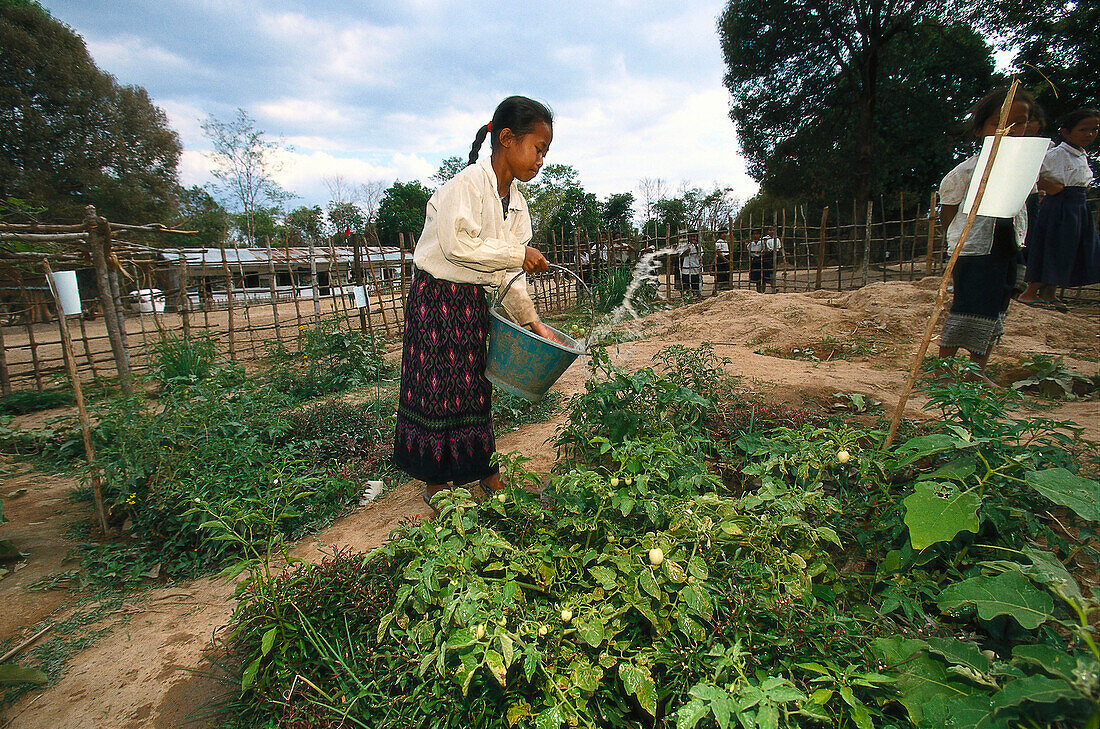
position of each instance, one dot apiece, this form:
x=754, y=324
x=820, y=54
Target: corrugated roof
x=281, y=256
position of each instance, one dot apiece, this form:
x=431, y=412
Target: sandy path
x=144, y=673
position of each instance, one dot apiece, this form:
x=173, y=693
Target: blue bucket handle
x=588, y=291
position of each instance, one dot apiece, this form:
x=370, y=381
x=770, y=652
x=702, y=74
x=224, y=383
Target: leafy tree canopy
x=199, y=211
x=558, y=202
x=1057, y=51
x=617, y=211
x=307, y=220
x=831, y=96
x=345, y=216
x=450, y=167
x=401, y=210
x=70, y=135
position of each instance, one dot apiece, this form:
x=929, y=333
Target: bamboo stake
x=918, y=359
x=28, y=642
x=314, y=289
x=5, y=375
x=377, y=292
x=294, y=287
x=247, y=308
x=78, y=395
x=184, y=304
x=140, y=316
x=87, y=346
x=32, y=342
x=98, y=228
x=206, y=292
x=821, y=247
x=229, y=303
x=273, y=292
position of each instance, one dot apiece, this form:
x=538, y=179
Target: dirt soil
x=150, y=671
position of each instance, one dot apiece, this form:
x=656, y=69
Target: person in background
x=721, y=264
x=1063, y=249
x=1036, y=124
x=691, y=265
x=475, y=236
x=985, y=272
x=763, y=253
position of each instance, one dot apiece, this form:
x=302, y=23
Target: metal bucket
x=522, y=362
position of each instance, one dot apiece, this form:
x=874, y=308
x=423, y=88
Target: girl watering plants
x=1063, y=249
x=475, y=236
x=985, y=272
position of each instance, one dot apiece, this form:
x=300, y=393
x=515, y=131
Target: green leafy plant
x=331, y=359
x=1051, y=378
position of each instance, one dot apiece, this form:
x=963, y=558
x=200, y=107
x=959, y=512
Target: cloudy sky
x=385, y=90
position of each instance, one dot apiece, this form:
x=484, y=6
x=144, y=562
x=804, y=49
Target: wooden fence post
x=78, y=395
x=184, y=302
x=99, y=236
x=274, y=292
x=866, y=270
x=229, y=303
x=821, y=247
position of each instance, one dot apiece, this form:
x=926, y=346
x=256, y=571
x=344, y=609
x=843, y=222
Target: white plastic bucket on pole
x=64, y=283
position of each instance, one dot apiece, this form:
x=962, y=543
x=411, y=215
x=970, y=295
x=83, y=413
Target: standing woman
x=475, y=237
x=1063, y=250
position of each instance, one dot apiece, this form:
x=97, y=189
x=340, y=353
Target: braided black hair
x=517, y=113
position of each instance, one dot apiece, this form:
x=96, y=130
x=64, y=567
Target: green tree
x=199, y=211
x=559, y=202
x=671, y=212
x=70, y=135
x=345, y=216
x=1057, y=51
x=450, y=167
x=808, y=79
x=245, y=165
x=617, y=211
x=401, y=210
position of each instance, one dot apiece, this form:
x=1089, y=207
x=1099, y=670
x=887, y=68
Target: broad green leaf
x=249, y=674
x=604, y=575
x=926, y=445
x=12, y=674
x=495, y=663
x=690, y=714
x=697, y=568
x=1054, y=661
x=1037, y=689
x=267, y=641
x=590, y=631
x=767, y=717
x=960, y=653
x=550, y=719
x=649, y=584
x=1009, y=593
x=517, y=713
x=507, y=651
x=1082, y=495
x=585, y=676
x=920, y=678
x=1047, y=569
x=957, y=470
x=463, y=638
x=932, y=518
x=637, y=681
x=966, y=712
x=697, y=600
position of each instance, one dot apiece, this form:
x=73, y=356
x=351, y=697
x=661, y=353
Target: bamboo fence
x=822, y=248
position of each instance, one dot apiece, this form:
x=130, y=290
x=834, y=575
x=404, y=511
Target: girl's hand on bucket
x=534, y=261
x=545, y=332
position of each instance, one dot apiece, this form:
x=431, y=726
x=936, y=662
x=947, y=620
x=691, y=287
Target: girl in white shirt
x=985, y=273
x=475, y=235
x=1063, y=249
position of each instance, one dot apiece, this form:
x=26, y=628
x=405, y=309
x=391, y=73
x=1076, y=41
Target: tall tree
x=448, y=168
x=199, y=211
x=245, y=165
x=70, y=135
x=402, y=210
x=346, y=217
x=617, y=211
x=1057, y=51
x=558, y=201
x=799, y=69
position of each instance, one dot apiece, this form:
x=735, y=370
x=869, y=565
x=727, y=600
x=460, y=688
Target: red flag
x=347, y=231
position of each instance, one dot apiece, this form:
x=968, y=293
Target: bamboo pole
x=377, y=292
x=273, y=292
x=294, y=288
x=229, y=303
x=140, y=316
x=87, y=346
x=78, y=395
x=206, y=295
x=314, y=289
x=31, y=341
x=821, y=247
x=98, y=229
x=918, y=358
x=184, y=303
x=5, y=375
x=247, y=308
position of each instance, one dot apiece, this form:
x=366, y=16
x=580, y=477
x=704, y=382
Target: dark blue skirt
x=1063, y=249
x=444, y=416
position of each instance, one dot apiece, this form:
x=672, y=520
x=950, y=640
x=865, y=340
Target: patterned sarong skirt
x=444, y=421
x=983, y=291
